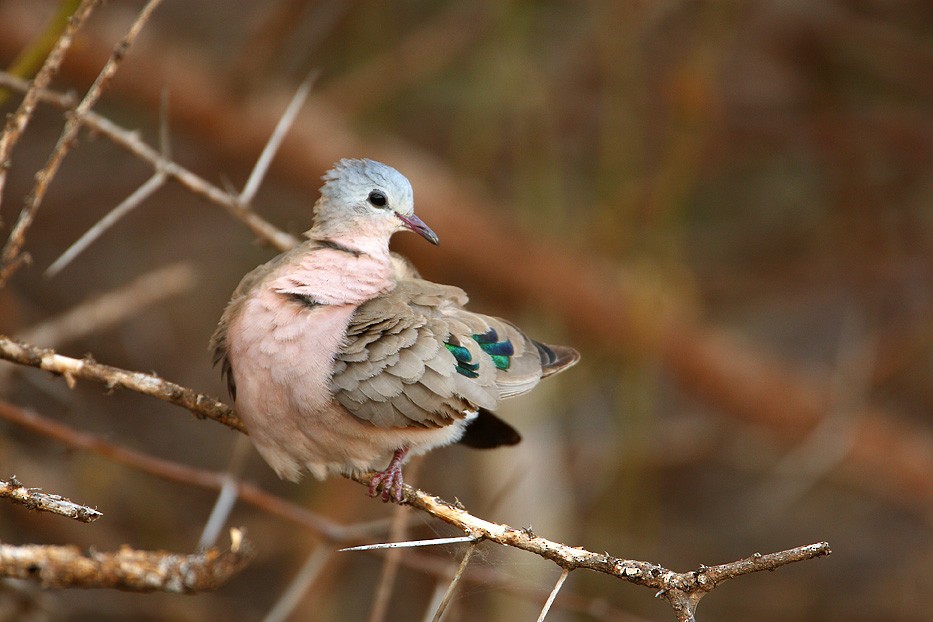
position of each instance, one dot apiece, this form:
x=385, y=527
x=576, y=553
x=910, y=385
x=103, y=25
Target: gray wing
x=415, y=358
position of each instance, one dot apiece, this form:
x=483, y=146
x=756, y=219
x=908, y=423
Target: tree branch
x=682, y=590
x=71, y=369
x=672, y=585
x=34, y=499
x=126, y=569
x=276, y=506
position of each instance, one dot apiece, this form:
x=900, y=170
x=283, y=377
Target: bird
x=341, y=359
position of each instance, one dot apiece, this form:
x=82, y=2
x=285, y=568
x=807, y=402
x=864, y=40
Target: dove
x=340, y=359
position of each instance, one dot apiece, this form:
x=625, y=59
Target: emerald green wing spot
x=499, y=351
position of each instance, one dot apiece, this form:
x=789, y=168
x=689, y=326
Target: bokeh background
x=727, y=207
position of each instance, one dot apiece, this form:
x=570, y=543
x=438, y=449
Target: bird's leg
x=389, y=481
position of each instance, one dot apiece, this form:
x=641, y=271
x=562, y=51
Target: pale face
x=367, y=198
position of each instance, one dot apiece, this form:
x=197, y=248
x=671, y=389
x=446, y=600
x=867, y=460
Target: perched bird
x=341, y=359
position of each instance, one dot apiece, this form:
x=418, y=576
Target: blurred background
x=725, y=206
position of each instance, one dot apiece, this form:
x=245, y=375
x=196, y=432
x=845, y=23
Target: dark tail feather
x=555, y=358
x=488, y=431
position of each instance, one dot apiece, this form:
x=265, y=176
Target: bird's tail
x=556, y=358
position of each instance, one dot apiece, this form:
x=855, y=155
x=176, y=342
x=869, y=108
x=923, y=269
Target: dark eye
x=378, y=199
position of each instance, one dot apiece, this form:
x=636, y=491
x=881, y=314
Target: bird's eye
x=378, y=199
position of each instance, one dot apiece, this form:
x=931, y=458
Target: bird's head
x=365, y=198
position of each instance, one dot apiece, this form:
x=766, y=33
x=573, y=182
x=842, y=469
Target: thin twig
x=125, y=569
x=260, y=227
x=128, y=204
x=34, y=499
x=449, y=594
x=592, y=607
x=312, y=568
x=553, y=595
x=275, y=140
x=16, y=123
x=125, y=207
x=300, y=584
x=130, y=141
x=229, y=492
x=10, y=258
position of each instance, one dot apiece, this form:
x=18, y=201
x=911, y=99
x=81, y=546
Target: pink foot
x=389, y=481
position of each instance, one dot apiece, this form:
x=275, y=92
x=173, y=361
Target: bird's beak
x=413, y=223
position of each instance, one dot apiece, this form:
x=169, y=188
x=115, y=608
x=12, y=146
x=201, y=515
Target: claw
x=389, y=482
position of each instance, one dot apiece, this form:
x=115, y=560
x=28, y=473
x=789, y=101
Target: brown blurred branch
x=188, y=475
x=35, y=499
x=126, y=569
x=112, y=307
x=423, y=52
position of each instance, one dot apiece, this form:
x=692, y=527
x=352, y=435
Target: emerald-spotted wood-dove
x=341, y=359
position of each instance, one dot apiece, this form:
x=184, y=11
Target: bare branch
x=131, y=142
x=72, y=369
x=227, y=498
x=16, y=123
x=682, y=590
x=10, y=261
x=34, y=499
x=126, y=569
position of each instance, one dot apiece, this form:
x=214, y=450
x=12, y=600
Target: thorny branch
x=35, y=499
x=126, y=569
x=272, y=505
x=682, y=590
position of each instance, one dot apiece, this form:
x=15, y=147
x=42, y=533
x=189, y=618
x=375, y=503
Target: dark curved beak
x=413, y=223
